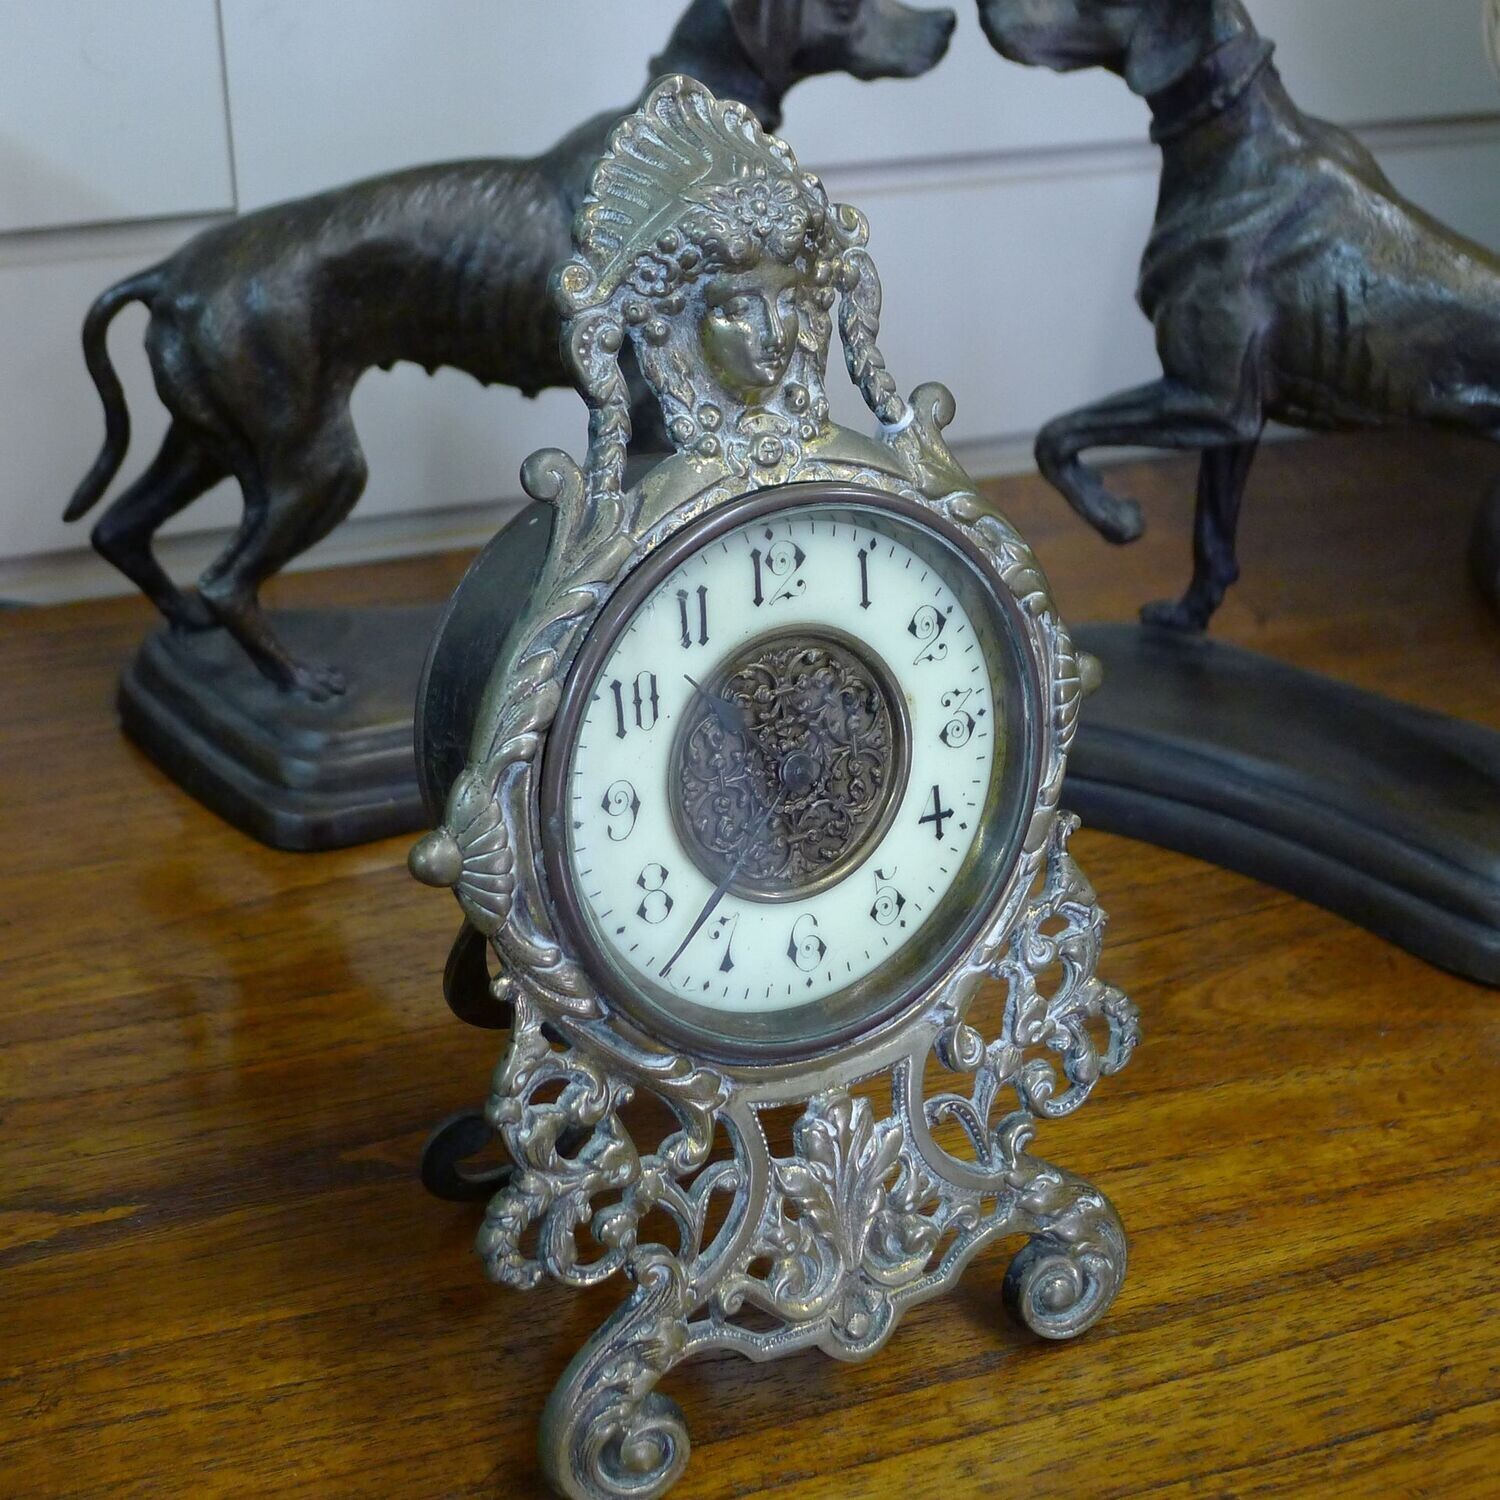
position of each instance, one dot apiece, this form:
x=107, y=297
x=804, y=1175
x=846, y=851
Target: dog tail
x=137, y=288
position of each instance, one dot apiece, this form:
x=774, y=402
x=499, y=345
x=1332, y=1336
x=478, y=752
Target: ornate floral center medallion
x=804, y=726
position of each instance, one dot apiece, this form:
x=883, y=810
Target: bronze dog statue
x=259, y=328
x=1286, y=278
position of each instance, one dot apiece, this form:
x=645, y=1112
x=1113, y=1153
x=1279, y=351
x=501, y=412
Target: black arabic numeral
x=776, y=568
x=926, y=627
x=727, y=926
x=805, y=948
x=656, y=905
x=620, y=804
x=939, y=814
x=889, y=902
x=961, y=722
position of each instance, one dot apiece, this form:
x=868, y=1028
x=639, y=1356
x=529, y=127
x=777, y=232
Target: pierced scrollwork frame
x=868, y=1213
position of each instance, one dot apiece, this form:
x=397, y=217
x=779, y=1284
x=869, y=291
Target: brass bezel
x=782, y=1037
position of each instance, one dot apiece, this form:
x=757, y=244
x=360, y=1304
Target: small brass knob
x=436, y=859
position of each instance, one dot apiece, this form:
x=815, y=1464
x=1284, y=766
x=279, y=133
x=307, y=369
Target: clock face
x=791, y=770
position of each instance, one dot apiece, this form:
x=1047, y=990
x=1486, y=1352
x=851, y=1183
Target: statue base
x=1484, y=548
x=1385, y=814
x=294, y=773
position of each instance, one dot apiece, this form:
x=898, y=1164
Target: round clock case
x=873, y=634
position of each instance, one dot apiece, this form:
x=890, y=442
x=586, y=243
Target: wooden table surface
x=218, y=1273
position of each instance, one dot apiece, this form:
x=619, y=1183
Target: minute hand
x=758, y=828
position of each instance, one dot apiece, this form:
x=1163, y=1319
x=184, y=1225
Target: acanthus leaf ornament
x=705, y=247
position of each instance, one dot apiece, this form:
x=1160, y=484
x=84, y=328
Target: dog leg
x=306, y=493
x=181, y=471
x=1163, y=414
x=1222, y=474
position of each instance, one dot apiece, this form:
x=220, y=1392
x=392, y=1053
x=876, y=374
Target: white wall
x=1008, y=208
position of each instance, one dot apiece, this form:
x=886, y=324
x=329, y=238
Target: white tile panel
x=324, y=91
x=110, y=110
x=1013, y=283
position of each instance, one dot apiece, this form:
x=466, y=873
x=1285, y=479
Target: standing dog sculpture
x=259, y=328
x=1285, y=277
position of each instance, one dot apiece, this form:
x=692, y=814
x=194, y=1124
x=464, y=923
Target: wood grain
x=217, y=1064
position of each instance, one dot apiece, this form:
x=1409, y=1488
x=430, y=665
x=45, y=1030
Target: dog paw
x=1121, y=520
x=314, y=680
x=190, y=614
x=1173, y=614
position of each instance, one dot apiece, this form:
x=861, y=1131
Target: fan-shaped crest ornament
x=686, y=148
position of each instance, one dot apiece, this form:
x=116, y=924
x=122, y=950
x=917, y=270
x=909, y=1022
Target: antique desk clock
x=761, y=786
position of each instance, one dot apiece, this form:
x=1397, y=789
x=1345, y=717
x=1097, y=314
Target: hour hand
x=730, y=715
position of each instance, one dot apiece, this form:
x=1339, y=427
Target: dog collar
x=1209, y=87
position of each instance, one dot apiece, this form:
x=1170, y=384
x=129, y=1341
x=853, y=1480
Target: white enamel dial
x=834, y=652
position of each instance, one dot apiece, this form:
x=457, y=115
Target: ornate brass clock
x=763, y=784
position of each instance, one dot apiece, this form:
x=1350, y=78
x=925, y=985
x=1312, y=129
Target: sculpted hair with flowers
x=738, y=199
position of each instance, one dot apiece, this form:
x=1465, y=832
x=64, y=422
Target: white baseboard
x=80, y=573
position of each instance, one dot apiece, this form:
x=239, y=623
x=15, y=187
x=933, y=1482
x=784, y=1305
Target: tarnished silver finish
x=703, y=243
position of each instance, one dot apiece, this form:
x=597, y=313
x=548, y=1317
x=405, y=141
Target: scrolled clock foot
x=1065, y=1278
x=1057, y=1293
x=641, y=1456
x=607, y=1432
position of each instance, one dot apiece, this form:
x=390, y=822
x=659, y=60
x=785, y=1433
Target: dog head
x=1150, y=43
x=788, y=40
